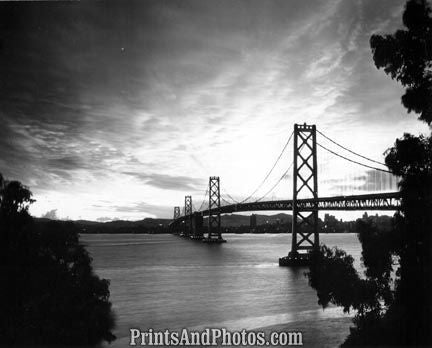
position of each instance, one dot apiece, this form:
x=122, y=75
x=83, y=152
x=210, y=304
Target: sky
x=117, y=110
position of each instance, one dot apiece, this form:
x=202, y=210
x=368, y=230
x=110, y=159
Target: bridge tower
x=305, y=236
x=174, y=225
x=188, y=215
x=214, y=218
x=176, y=213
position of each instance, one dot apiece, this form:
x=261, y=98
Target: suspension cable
x=230, y=197
x=353, y=152
x=353, y=161
x=193, y=208
x=274, y=186
x=271, y=170
x=205, y=196
x=223, y=199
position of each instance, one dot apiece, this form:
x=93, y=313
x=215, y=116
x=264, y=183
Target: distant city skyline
x=117, y=110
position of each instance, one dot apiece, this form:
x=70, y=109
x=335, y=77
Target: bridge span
x=376, y=201
x=305, y=233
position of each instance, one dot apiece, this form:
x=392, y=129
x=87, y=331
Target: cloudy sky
x=119, y=109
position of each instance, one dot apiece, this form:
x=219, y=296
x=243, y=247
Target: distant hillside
x=234, y=220
x=233, y=223
x=149, y=225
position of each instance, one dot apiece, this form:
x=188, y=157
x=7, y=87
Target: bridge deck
x=376, y=201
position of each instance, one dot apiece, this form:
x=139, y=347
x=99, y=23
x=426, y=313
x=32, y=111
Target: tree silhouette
x=407, y=57
x=393, y=302
x=336, y=280
x=50, y=294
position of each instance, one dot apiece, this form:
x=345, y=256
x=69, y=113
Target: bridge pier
x=252, y=222
x=305, y=185
x=197, y=226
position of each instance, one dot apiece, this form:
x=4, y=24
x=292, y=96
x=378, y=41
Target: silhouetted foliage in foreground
x=394, y=301
x=407, y=55
x=49, y=293
x=336, y=280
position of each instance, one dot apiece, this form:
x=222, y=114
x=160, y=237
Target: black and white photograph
x=216, y=173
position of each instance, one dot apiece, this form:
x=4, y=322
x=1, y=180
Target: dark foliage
x=382, y=318
x=50, y=295
x=407, y=57
x=393, y=302
x=334, y=277
x=413, y=296
x=325, y=275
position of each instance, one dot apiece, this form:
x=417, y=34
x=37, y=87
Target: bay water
x=167, y=282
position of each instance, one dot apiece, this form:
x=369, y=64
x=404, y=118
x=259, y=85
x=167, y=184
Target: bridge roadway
x=375, y=201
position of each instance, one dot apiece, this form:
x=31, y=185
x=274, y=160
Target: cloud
x=52, y=215
x=106, y=219
x=149, y=99
x=144, y=209
x=167, y=182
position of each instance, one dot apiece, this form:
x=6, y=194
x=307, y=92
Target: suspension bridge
x=305, y=202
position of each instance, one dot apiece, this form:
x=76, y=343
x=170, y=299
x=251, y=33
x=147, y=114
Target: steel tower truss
x=177, y=213
x=214, y=219
x=305, y=234
x=188, y=214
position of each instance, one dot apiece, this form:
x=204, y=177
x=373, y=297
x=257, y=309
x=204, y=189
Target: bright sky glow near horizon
x=120, y=109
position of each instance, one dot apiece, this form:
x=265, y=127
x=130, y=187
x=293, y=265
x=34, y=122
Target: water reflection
x=163, y=281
